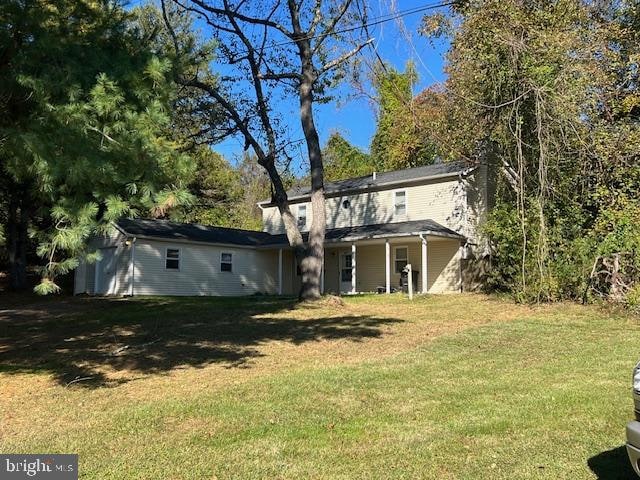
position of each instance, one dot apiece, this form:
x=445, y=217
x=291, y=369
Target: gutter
x=420, y=234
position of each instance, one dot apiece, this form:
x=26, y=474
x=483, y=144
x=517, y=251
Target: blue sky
x=397, y=42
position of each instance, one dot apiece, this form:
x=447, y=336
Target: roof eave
x=464, y=172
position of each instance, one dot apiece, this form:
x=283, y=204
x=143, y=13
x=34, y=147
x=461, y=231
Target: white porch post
x=425, y=284
x=353, y=268
x=280, y=271
x=387, y=265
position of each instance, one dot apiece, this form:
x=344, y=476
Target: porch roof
x=166, y=230
x=381, y=230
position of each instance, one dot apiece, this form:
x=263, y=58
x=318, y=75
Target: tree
x=82, y=135
x=343, y=160
x=548, y=94
x=271, y=54
x=224, y=195
x=397, y=143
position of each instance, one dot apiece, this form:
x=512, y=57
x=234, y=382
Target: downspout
x=133, y=265
x=465, y=219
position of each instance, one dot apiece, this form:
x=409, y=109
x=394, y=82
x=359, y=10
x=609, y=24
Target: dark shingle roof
x=163, y=229
x=191, y=231
x=384, y=178
x=376, y=231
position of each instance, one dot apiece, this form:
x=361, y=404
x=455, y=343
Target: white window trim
x=166, y=252
x=395, y=256
x=231, y=262
x=406, y=203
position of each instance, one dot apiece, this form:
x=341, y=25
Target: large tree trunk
x=17, y=239
x=312, y=263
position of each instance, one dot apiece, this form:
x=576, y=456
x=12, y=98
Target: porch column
x=425, y=284
x=280, y=271
x=324, y=254
x=353, y=268
x=387, y=265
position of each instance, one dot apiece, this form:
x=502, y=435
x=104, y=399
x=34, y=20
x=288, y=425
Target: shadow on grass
x=74, y=339
x=612, y=465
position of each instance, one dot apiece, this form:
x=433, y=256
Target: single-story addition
x=376, y=225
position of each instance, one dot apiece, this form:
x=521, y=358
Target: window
x=302, y=216
x=347, y=264
x=172, y=259
x=226, y=262
x=400, y=203
x=401, y=258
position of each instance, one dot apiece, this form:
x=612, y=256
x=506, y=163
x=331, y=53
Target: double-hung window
x=172, y=259
x=226, y=262
x=401, y=258
x=400, y=203
x=302, y=216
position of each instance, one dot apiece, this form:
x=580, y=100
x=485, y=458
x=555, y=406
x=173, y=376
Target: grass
x=445, y=387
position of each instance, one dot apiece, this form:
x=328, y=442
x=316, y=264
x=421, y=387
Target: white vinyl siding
x=253, y=271
x=442, y=201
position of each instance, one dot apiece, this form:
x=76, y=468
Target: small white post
x=280, y=271
x=425, y=284
x=387, y=264
x=353, y=268
x=410, y=279
x=324, y=254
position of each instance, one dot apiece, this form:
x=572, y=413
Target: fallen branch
x=76, y=380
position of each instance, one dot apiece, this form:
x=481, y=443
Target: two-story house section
x=427, y=216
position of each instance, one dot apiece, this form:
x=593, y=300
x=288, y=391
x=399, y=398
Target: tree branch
x=344, y=57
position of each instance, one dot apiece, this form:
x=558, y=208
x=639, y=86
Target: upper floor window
x=226, y=262
x=302, y=216
x=172, y=259
x=400, y=203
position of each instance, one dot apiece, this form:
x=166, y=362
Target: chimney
x=374, y=176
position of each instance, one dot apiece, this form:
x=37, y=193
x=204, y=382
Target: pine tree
x=85, y=107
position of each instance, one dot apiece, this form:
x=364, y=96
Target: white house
x=426, y=216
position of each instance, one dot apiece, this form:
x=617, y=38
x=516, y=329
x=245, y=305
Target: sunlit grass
x=444, y=387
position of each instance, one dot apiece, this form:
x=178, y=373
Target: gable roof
x=383, y=179
x=191, y=232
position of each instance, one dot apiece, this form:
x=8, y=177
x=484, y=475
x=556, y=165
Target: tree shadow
x=612, y=465
x=76, y=339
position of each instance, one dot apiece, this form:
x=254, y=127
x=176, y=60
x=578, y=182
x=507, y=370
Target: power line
x=376, y=21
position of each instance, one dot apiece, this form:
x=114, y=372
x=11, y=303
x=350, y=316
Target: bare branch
x=344, y=57
x=228, y=12
x=281, y=76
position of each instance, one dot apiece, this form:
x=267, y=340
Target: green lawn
x=445, y=387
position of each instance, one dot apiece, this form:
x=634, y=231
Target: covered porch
x=372, y=261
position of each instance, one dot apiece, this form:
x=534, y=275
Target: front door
x=346, y=263
x=106, y=272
